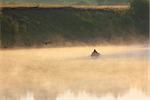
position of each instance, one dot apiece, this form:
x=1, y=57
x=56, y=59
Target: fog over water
x=69, y=73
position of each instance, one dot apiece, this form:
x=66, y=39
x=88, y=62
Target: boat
x=95, y=54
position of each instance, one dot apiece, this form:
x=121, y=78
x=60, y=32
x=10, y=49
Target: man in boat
x=95, y=54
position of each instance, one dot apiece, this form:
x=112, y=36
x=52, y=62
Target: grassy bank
x=38, y=26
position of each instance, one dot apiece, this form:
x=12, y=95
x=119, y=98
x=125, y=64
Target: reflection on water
x=68, y=95
x=133, y=94
x=27, y=96
x=121, y=73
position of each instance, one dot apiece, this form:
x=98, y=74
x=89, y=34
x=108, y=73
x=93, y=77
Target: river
x=69, y=73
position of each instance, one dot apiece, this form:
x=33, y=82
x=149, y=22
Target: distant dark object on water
x=46, y=42
x=95, y=54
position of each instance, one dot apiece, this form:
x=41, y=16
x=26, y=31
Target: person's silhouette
x=95, y=53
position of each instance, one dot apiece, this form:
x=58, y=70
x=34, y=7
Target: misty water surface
x=69, y=73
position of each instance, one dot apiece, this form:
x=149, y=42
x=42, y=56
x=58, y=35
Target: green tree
x=140, y=8
x=7, y=32
x=140, y=13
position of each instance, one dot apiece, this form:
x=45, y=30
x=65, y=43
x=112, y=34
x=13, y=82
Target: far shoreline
x=27, y=5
